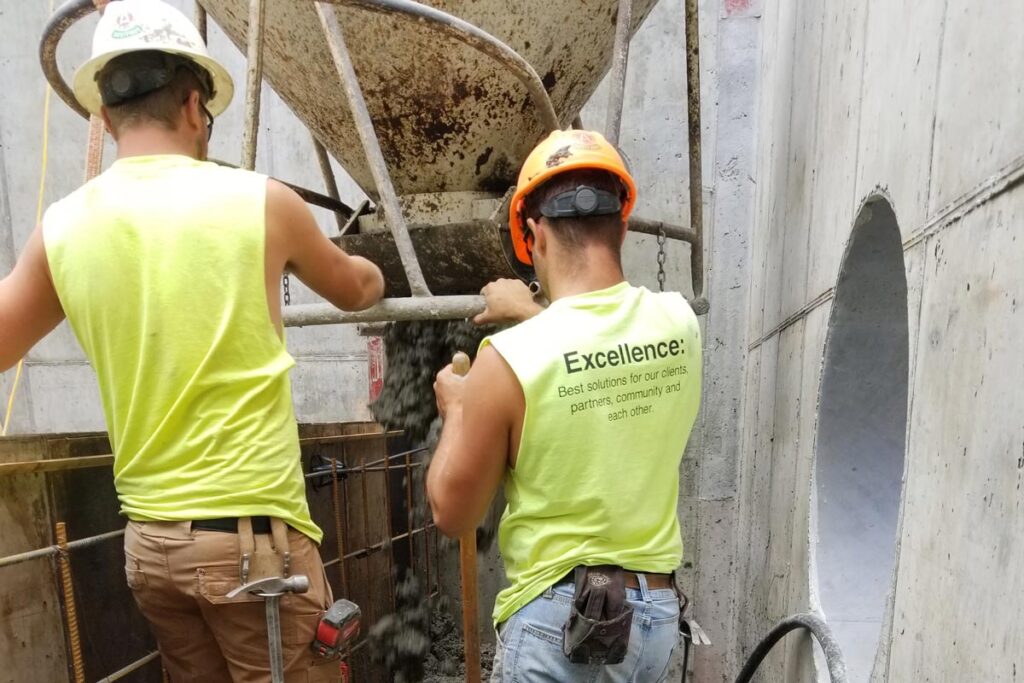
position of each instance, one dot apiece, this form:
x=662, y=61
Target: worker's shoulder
x=671, y=304
x=60, y=213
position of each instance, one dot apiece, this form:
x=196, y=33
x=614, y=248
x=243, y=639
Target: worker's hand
x=448, y=389
x=507, y=301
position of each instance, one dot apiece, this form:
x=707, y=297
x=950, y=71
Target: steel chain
x=287, y=290
x=661, y=259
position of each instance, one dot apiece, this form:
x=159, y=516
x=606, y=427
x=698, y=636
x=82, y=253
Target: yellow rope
x=39, y=218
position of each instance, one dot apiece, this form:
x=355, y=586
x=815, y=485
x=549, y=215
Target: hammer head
x=274, y=585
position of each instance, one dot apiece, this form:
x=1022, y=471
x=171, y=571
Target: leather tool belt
x=597, y=631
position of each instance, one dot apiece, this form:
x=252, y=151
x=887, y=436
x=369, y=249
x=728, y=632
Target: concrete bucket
x=440, y=105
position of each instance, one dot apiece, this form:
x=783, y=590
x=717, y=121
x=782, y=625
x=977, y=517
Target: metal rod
x=410, y=521
x=478, y=39
x=90, y=461
x=390, y=532
x=70, y=611
x=371, y=146
x=200, y=19
x=409, y=308
x=131, y=668
x=376, y=547
x=371, y=618
x=56, y=465
x=254, y=81
x=61, y=20
x=617, y=91
x=649, y=227
x=335, y=495
x=309, y=196
x=696, y=172
x=324, y=160
x=52, y=550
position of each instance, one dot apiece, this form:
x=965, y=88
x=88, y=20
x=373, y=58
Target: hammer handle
x=467, y=566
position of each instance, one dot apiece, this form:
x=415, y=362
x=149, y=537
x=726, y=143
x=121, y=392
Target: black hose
x=686, y=656
x=819, y=630
x=62, y=19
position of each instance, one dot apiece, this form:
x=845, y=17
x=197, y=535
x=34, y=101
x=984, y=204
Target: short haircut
x=161, y=106
x=578, y=232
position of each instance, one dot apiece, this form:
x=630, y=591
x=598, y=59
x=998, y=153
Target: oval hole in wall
x=861, y=435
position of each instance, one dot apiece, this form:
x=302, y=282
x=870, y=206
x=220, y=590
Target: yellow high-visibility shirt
x=159, y=265
x=612, y=382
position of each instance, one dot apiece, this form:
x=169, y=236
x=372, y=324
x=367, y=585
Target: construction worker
x=584, y=409
x=168, y=269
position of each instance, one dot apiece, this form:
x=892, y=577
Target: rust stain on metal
x=437, y=104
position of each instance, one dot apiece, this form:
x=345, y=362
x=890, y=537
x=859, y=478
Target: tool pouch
x=263, y=556
x=597, y=631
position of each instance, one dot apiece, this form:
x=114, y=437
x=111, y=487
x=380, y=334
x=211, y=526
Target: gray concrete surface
x=918, y=101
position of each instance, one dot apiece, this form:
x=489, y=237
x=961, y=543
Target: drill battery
x=337, y=629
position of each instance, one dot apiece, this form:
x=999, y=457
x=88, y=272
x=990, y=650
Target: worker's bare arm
x=471, y=458
x=29, y=307
x=507, y=301
x=351, y=283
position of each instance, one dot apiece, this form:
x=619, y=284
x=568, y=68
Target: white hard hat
x=136, y=25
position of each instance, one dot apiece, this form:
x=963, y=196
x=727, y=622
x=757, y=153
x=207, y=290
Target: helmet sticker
x=126, y=27
x=559, y=156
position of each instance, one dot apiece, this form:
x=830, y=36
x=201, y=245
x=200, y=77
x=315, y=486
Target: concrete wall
x=919, y=101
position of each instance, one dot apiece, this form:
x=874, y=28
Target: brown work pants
x=180, y=576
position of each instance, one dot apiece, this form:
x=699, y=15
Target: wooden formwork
x=373, y=489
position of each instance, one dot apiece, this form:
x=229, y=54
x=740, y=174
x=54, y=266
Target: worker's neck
x=596, y=271
x=150, y=141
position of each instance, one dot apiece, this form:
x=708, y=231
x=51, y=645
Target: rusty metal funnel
x=448, y=117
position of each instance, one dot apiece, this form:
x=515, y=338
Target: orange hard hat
x=560, y=152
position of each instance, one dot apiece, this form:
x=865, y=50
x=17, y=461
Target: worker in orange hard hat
x=583, y=409
x=168, y=269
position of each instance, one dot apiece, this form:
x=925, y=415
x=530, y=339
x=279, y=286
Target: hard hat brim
x=87, y=90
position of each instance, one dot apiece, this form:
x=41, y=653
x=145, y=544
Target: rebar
x=70, y=611
x=50, y=551
x=342, y=574
x=133, y=667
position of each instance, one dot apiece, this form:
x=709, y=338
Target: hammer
x=271, y=589
x=467, y=565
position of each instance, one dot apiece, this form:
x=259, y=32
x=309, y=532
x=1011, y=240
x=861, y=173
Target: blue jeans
x=529, y=646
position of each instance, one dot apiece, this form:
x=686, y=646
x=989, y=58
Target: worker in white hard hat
x=168, y=269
